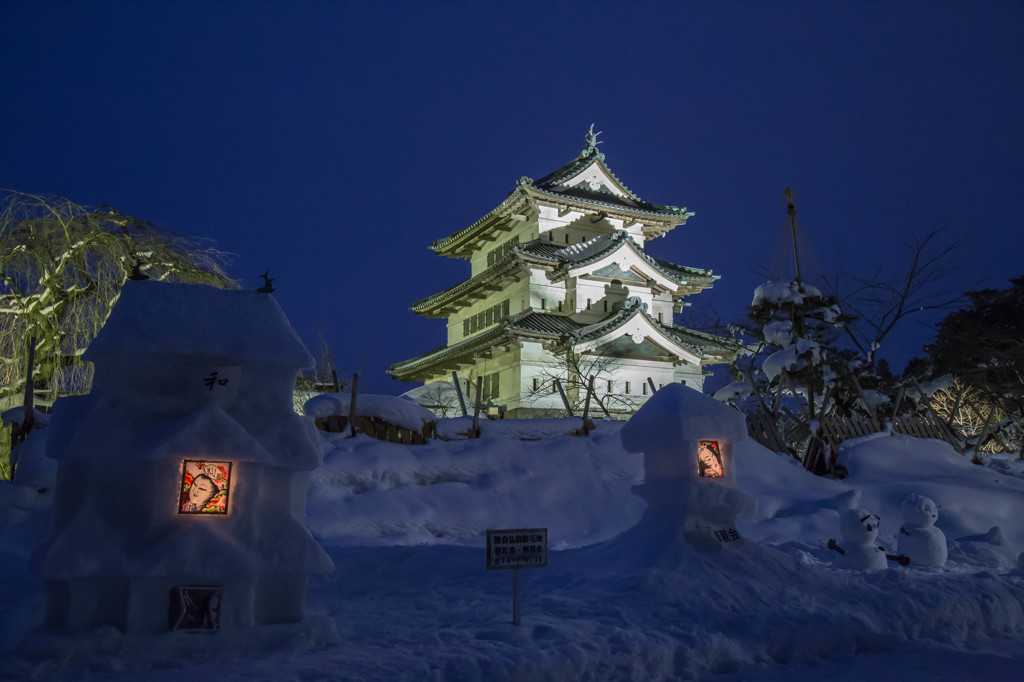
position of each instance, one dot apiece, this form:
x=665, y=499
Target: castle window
x=536, y=383
x=504, y=308
x=609, y=386
x=566, y=237
x=606, y=306
x=559, y=306
x=465, y=327
x=645, y=389
x=588, y=304
x=543, y=304
x=661, y=317
x=627, y=387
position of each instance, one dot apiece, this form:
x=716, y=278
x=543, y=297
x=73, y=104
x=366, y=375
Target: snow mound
x=397, y=411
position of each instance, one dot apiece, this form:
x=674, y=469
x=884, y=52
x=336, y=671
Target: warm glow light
x=204, y=487
x=709, y=459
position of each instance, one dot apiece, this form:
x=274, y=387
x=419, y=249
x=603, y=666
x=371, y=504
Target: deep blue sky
x=331, y=143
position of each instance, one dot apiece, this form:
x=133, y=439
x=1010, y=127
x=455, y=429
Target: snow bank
x=404, y=526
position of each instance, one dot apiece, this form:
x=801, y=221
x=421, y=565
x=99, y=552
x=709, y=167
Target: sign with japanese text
x=517, y=548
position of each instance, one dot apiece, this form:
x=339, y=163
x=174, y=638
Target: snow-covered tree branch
x=61, y=270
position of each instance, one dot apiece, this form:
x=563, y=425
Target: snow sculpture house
x=687, y=441
x=182, y=476
x=559, y=270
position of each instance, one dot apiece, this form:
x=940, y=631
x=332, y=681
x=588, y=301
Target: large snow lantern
x=689, y=478
x=182, y=476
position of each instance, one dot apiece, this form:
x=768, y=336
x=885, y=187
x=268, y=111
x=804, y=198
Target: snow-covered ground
x=410, y=598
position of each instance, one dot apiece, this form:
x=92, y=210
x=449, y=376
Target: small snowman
x=919, y=539
x=860, y=550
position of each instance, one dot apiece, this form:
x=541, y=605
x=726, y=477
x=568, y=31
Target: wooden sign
x=517, y=548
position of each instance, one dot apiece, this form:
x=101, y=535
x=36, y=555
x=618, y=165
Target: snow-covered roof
x=677, y=413
x=397, y=411
x=170, y=319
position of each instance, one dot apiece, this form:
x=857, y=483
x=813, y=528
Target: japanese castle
x=561, y=287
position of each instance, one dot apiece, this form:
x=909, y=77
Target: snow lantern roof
x=162, y=318
x=198, y=549
x=206, y=432
x=677, y=414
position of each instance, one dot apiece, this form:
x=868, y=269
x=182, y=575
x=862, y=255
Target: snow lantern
x=687, y=439
x=182, y=476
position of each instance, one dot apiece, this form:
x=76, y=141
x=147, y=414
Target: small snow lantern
x=182, y=476
x=689, y=479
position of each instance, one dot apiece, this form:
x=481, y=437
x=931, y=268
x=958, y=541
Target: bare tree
x=61, y=270
x=879, y=303
x=323, y=378
x=574, y=370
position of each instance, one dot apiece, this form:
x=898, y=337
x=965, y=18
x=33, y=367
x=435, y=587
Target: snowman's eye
x=869, y=527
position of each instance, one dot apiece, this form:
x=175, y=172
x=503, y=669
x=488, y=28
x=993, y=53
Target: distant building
x=561, y=287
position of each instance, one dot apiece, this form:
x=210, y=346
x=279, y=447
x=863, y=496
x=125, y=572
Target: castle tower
x=561, y=287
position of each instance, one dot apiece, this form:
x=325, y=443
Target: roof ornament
x=268, y=283
x=634, y=302
x=592, y=142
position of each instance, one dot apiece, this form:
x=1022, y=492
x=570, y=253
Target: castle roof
x=586, y=183
x=560, y=262
x=562, y=332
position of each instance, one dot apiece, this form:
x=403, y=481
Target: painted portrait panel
x=205, y=486
x=709, y=459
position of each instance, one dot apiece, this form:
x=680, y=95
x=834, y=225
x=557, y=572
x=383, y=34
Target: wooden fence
x=824, y=446
x=376, y=427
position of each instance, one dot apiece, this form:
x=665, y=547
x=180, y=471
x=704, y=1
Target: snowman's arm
x=832, y=545
x=901, y=559
x=903, y=531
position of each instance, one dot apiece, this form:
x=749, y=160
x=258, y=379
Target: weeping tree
x=61, y=270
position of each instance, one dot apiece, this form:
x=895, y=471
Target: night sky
x=332, y=143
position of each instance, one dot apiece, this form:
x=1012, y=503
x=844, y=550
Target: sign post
x=514, y=549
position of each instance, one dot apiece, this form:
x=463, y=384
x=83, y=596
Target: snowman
x=919, y=539
x=860, y=550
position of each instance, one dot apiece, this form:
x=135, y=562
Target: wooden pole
x=586, y=405
x=654, y=389
x=791, y=214
x=352, y=406
x=476, y=408
x=864, y=399
x=334, y=377
x=458, y=390
x=565, y=401
x=516, y=595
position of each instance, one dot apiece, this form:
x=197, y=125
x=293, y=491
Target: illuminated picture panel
x=709, y=459
x=205, y=486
